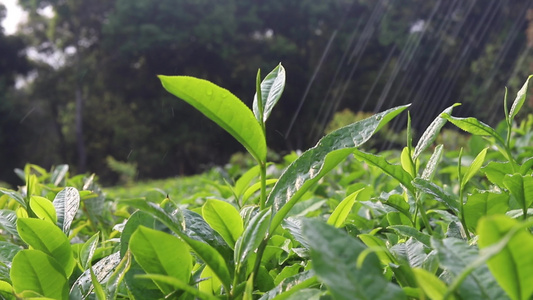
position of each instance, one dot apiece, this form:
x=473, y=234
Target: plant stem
x=262, y=167
x=423, y=215
x=462, y=212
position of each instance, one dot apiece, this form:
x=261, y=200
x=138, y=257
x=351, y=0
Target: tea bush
x=335, y=222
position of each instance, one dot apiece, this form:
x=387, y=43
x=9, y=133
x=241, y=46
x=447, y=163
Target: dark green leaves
x=334, y=254
x=222, y=107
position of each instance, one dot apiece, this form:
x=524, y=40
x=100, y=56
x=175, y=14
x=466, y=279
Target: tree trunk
x=80, y=143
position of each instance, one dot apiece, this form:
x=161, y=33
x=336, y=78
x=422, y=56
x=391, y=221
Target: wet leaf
x=437, y=193
x=520, y=99
x=431, y=133
x=475, y=127
x=314, y=163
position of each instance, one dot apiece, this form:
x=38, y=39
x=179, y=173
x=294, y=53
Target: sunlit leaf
x=475, y=127
x=521, y=187
x=484, y=204
x=314, y=163
x=87, y=251
x=48, y=238
x=513, y=265
x=474, y=167
x=224, y=218
x=222, y=107
x=342, y=210
x=83, y=286
x=43, y=209
x=271, y=89
x=432, y=286
x=34, y=271
x=66, y=204
x=520, y=99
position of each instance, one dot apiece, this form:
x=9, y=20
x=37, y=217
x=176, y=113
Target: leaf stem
x=262, y=167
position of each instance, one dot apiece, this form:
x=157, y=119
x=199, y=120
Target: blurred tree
x=13, y=62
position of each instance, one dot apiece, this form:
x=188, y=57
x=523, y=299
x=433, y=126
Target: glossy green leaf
x=66, y=205
x=6, y=290
x=513, y=265
x=161, y=253
x=83, y=286
x=114, y=281
x=437, y=193
x=34, y=271
x=176, y=284
x=48, y=238
x=8, y=221
x=8, y=251
x=475, y=127
x=520, y=99
x=474, y=167
x=482, y=204
x=253, y=235
x=224, y=218
x=334, y=254
x=254, y=188
x=432, y=286
x=526, y=166
x=398, y=202
x=222, y=107
x=521, y=187
x=271, y=89
x=342, y=210
x=433, y=162
x=87, y=251
x=395, y=171
x=210, y=284
x=98, y=288
x=205, y=251
x=455, y=256
x=496, y=171
x=431, y=133
x=43, y=209
x=314, y=163
x=410, y=253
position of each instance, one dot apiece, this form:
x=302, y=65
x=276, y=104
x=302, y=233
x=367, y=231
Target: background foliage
x=100, y=96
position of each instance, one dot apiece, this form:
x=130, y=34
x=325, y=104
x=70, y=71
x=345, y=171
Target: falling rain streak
x=429, y=64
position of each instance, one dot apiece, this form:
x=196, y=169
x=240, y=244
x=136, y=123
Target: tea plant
x=337, y=223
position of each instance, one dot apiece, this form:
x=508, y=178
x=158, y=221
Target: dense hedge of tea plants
x=333, y=222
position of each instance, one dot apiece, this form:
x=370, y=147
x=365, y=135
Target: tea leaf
x=521, y=187
x=474, y=167
x=496, y=171
x=475, y=127
x=252, y=236
x=291, y=286
x=314, y=163
x=58, y=174
x=271, y=90
x=484, y=204
x=87, y=251
x=342, y=210
x=431, y=166
x=161, y=253
x=83, y=286
x=244, y=181
x=431, y=133
x=48, y=238
x=8, y=220
x=222, y=107
x=43, y=208
x=455, y=256
x=520, y=99
x=34, y=271
x=224, y=219
x=438, y=193
x=334, y=252
x=66, y=205
x=513, y=265
x=395, y=171
x=14, y=195
x=176, y=284
x=432, y=286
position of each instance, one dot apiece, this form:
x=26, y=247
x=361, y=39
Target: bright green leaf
x=35, y=271
x=521, y=187
x=520, y=99
x=161, y=253
x=342, y=210
x=87, y=251
x=47, y=237
x=513, y=265
x=433, y=287
x=253, y=235
x=474, y=167
x=43, y=208
x=484, y=204
x=475, y=127
x=176, y=284
x=407, y=162
x=224, y=218
x=222, y=107
x=496, y=171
